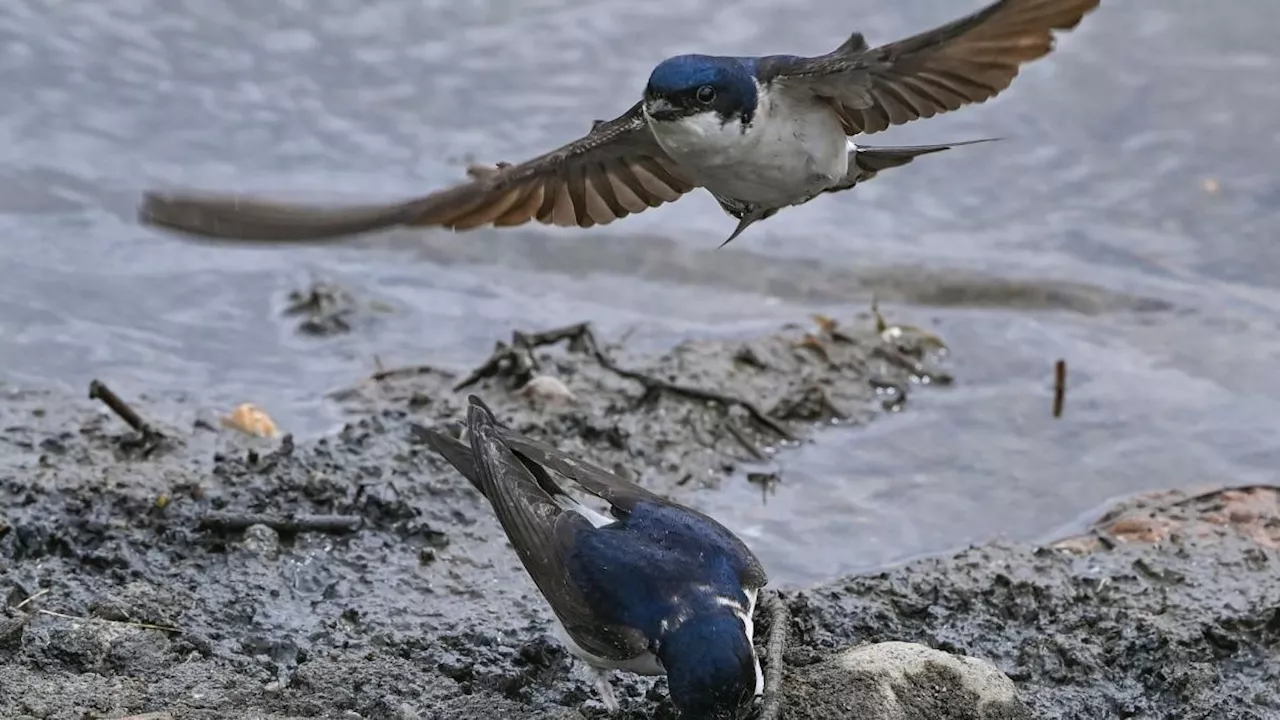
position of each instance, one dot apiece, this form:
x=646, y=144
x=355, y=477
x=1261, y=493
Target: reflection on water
x=1091, y=233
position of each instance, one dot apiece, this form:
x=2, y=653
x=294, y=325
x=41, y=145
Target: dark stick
x=654, y=384
x=407, y=371
x=287, y=524
x=1059, y=387
x=98, y=390
x=771, y=703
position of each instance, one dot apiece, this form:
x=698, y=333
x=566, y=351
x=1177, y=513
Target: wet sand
x=122, y=597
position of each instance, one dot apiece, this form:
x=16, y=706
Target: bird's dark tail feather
x=239, y=218
x=867, y=161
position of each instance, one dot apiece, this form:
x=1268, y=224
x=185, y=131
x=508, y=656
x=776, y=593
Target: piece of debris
x=548, y=389
x=327, y=309
x=908, y=339
x=251, y=420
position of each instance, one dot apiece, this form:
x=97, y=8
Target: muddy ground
x=422, y=611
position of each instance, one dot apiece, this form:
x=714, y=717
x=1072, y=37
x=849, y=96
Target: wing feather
x=564, y=187
x=538, y=527
x=970, y=60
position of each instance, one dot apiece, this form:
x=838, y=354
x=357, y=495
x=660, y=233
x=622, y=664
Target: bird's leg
x=605, y=688
x=746, y=215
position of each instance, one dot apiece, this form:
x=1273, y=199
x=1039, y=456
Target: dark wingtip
x=479, y=415
x=186, y=215
x=475, y=402
x=151, y=209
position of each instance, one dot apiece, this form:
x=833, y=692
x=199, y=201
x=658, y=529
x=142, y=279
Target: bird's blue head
x=688, y=85
x=711, y=666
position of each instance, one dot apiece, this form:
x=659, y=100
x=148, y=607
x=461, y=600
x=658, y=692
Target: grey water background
x=1088, y=234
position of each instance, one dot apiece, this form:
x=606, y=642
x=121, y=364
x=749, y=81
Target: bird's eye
x=706, y=95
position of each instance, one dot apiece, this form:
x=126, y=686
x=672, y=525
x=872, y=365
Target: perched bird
x=758, y=133
x=652, y=587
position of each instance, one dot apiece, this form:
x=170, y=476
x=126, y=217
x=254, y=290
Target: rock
x=1211, y=514
x=262, y=541
x=901, y=681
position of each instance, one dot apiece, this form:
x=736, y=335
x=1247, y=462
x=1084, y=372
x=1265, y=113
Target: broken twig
x=771, y=702
x=130, y=623
x=1059, y=387
x=288, y=524
x=98, y=390
x=32, y=598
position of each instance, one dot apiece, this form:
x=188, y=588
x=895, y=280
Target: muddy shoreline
x=1168, y=609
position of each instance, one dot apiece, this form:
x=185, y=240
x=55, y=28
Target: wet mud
x=204, y=573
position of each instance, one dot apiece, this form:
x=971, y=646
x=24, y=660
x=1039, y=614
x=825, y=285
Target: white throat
x=704, y=139
x=791, y=150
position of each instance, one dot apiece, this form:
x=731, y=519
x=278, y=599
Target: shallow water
x=1089, y=234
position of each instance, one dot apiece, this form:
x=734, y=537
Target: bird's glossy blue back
x=630, y=571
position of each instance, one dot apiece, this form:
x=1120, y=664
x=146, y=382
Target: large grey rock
x=901, y=681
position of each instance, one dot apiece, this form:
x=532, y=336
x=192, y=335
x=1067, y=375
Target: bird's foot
x=605, y=689
x=747, y=215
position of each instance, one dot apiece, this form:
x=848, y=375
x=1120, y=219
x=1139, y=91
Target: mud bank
x=125, y=592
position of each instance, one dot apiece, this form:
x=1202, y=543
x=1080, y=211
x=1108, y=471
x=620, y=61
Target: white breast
x=792, y=150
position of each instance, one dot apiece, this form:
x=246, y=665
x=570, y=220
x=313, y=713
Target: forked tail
x=867, y=161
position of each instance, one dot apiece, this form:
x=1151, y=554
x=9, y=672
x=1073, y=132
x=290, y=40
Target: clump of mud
x=324, y=308
x=224, y=576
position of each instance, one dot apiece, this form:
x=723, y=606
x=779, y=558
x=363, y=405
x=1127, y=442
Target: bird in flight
x=652, y=587
x=758, y=133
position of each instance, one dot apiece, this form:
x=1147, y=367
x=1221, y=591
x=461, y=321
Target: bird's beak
x=660, y=109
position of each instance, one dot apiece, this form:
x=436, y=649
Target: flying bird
x=760, y=133
x=652, y=587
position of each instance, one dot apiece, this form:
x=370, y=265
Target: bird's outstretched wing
x=967, y=61
x=537, y=526
x=615, y=170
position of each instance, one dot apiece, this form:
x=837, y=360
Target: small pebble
x=261, y=540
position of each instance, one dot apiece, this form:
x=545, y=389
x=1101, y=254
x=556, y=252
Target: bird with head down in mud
x=652, y=587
